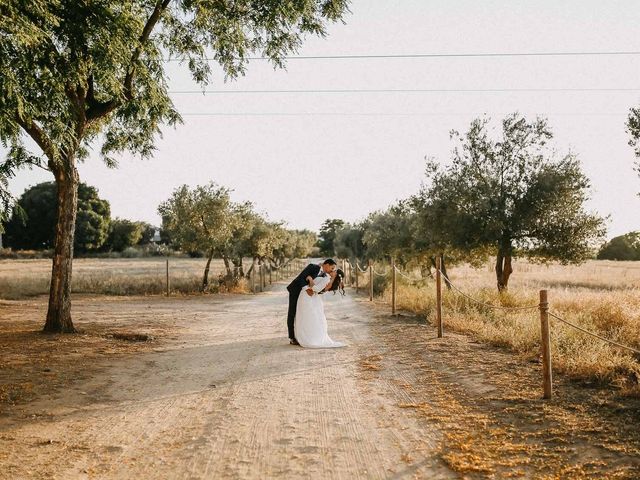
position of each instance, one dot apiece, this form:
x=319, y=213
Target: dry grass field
x=126, y=276
x=601, y=296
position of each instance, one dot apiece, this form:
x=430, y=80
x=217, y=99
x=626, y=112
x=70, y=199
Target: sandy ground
x=218, y=393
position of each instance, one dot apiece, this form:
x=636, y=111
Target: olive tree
x=73, y=74
x=512, y=195
x=199, y=219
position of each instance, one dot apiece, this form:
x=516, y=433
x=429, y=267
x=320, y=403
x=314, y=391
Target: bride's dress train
x=311, y=322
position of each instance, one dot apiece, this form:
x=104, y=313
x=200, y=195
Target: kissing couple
x=306, y=320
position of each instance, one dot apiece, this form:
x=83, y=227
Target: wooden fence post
x=439, y=297
x=357, y=272
x=546, y=345
x=393, y=286
x=370, y=282
x=253, y=278
x=168, y=285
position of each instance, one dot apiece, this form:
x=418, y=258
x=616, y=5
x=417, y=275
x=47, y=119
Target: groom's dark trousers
x=295, y=287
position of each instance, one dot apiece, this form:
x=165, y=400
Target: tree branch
x=100, y=109
x=144, y=37
x=39, y=136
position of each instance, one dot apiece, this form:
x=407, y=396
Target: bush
x=123, y=234
x=132, y=252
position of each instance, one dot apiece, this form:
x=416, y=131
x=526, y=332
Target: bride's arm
x=320, y=284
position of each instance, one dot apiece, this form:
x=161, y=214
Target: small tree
x=238, y=245
x=198, y=220
x=389, y=234
x=348, y=242
x=73, y=73
x=513, y=196
x=304, y=242
x=123, y=234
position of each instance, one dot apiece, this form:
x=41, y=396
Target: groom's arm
x=310, y=270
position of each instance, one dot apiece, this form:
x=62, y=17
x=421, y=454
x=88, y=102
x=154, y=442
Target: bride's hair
x=338, y=284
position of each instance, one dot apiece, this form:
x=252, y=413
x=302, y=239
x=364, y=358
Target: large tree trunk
x=59, y=313
x=503, y=267
x=205, y=277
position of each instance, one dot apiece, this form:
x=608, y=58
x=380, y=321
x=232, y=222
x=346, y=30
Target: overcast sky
x=280, y=150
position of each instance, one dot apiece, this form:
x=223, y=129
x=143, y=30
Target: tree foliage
x=633, y=129
x=32, y=224
x=506, y=195
x=511, y=195
x=348, y=242
x=124, y=234
x=328, y=234
x=204, y=219
x=622, y=247
x=390, y=234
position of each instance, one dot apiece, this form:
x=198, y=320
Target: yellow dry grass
x=131, y=276
x=600, y=296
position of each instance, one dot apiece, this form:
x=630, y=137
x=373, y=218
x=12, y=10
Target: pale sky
x=279, y=149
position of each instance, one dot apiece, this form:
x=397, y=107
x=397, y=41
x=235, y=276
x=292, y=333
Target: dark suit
x=295, y=287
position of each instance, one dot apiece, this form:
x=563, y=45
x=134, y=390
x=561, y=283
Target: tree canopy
x=32, y=225
x=204, y=219
x=328, y=234
x=622, y=247
x=511, y=194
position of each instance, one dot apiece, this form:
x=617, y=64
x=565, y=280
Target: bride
x=311, y=323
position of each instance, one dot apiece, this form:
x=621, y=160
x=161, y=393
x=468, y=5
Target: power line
x=402, y=90
x=439, y=55
x=382, y=114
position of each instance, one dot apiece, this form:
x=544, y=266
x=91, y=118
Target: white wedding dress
x=311, y=324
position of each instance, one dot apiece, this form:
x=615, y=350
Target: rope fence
x=542, y=307
x=480, y=302
x=404, y=275
x=384, y=274
x=595, y=335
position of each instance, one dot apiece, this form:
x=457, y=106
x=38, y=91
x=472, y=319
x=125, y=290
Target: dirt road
x=222, y=395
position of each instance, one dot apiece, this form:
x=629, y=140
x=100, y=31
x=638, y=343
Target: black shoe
x=293, y=341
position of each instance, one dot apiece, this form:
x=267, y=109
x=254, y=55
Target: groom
x=295, y=287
